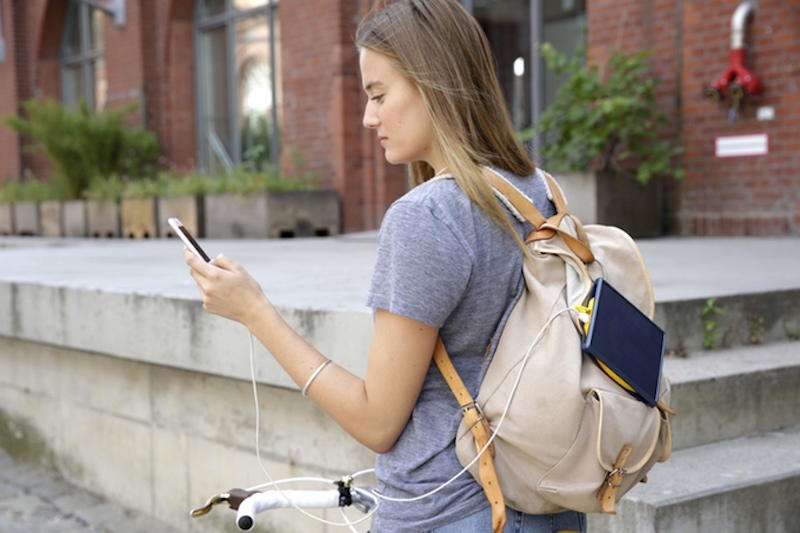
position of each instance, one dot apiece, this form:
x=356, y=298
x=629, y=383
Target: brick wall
x=9, y=144
x=322, y=107
x=719, y=196
x=124, y=62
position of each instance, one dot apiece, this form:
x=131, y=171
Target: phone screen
x=197, y=247
x=188, y=239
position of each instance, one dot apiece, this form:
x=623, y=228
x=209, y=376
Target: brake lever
x=233, y=498
x=214, y=500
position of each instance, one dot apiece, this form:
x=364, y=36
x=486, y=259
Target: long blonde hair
x=442, y=49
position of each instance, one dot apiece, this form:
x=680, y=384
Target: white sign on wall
x=742, y=145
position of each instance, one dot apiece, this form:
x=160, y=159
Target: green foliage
x=31, y=189
x=604, y=121
x=84, y=146
x=755, y=328
x=710, y=333
x=244, y=181
x=108, y=188
x=191, y=184
x=256, y=141
x=253, y=175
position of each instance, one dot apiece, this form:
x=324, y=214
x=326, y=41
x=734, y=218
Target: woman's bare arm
x=373, y=410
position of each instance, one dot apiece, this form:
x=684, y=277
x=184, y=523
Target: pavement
x=334, y=272
x=35, y=499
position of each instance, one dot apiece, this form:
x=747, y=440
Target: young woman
x=448, y=264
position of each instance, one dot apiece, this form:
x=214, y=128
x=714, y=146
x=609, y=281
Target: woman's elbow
x=380, y=441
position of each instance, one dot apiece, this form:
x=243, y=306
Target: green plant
x=30, y=190
x=110, y=188
x=84, y=146
x=256, y=141
x=755, y=329
x=187, y=185
x=146, y=188
x=605, y=121
x=710, y=333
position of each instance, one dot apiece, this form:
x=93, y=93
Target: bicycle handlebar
x=264, y=501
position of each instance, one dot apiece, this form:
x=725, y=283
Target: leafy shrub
x=84, y=146
x=30, y=190
x=606, y=122
x=108, y=188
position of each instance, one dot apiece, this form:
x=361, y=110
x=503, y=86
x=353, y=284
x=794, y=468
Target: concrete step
x=733, y=393
x=738, y=486
x=736, y=320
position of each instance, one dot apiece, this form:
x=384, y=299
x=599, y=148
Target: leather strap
x=607, y=494
x=551, y=227
x=545, y=228
x=517, y=199
x=479, y=427
x=555, y=190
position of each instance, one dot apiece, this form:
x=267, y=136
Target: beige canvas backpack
x=572, y=437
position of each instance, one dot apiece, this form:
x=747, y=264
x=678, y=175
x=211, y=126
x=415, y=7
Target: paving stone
x=33, y=499
x=7, y=490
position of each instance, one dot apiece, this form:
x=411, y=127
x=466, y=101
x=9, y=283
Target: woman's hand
x=228, y=289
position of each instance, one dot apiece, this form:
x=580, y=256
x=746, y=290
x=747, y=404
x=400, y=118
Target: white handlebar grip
x=262, y=501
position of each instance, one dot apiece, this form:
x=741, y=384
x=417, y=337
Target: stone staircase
x=735, y=465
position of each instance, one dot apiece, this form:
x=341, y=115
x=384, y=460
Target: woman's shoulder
x=440, y=198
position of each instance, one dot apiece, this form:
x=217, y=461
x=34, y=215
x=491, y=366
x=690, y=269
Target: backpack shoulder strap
x=555, y=193
x=521, y=203
x=479, y=427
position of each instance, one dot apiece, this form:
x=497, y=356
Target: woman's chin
x=392, y=159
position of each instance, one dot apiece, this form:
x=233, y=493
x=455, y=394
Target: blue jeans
x=517, y=522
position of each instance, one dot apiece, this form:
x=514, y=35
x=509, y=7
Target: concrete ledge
x=162, y=440
x=172, y=332
x=738, y=486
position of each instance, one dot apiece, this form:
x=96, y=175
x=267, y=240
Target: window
x=238, y=80
x=2, y=41
x=514, y=28
x=83, y=71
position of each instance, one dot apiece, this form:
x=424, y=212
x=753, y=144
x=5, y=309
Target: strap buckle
x=473, y=405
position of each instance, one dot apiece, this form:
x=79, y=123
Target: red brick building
x=231, y=79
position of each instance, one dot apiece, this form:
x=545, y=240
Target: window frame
x=538, y=67
x=87, y=57
x=228, y=19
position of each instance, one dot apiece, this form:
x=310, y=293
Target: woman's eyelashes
x=377, y=98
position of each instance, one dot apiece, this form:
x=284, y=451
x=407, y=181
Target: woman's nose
x=370, y=118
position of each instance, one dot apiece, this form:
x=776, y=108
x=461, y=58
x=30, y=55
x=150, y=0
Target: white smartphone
x=188, y=240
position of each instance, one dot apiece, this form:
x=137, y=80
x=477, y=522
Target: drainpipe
x=739, y=24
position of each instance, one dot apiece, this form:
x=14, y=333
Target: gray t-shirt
x=442, y=262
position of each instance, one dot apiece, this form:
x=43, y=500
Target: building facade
x=223, y=81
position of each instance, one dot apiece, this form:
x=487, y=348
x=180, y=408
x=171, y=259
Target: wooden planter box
x=26, y=218
x=139, y=220
x=610, y=199
x=74, y=218
x=102, y=218
x=303, y=214
x=190, y=211
x=272, y=215
x=6, y=219
x=51, y=218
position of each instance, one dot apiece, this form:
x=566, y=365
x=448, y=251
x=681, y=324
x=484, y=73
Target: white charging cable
x=276, y=484
x=524, y=362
